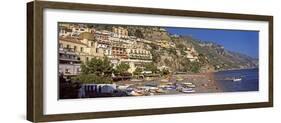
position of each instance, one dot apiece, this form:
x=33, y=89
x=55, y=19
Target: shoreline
x=190, y=83
x=205, y=83
x=236, y=69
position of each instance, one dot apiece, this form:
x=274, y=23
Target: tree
x=165, y=72
x=95, y=71
x=151, y=67
x=98, y=67
x=138, y=71
x=195, y=67
x=122, y=68
x=138, y=33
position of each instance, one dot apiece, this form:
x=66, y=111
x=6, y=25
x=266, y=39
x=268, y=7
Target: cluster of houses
x=79, y=43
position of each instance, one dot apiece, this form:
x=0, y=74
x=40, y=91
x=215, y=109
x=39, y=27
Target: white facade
x=69, y=69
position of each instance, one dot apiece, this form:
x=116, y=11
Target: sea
x=246, y=80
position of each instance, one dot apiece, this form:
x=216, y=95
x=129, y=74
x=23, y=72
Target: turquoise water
x=249, y=80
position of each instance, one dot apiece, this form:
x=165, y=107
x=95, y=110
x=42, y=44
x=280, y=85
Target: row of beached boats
x=157, y=89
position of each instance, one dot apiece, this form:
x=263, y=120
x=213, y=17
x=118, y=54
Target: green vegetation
x=155, y=55
x=172, y=51
x=151, y=67
x=138, y=71
x=182, y=52
x=122, y=69
x=138, y=33
x=165, y=72
x=189, y=66
x=194, y=67
x=202, y=59
x=98, y=67
x=95, y=71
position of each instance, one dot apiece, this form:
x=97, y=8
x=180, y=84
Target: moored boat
x=187, y=90
x=237, y=79
x=189, y=84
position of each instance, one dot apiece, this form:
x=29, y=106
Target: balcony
x=141, y=57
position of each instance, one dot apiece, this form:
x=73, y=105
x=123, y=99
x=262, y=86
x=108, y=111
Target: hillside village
x=97, y=60
x=79, y=43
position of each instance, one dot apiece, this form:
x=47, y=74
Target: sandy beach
x=205, y=83
x=201, y=83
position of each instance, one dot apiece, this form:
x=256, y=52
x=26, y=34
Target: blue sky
x=246, y=42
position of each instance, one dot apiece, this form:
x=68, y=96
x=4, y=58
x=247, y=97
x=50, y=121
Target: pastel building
x=137, y=57
x=119, y=51
x=120, y=32
x=84, y=46
x=69, y=62
x=103, y=42
x=191, y=54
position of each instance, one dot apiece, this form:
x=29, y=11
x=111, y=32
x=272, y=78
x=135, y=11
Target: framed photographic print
x=96, y=61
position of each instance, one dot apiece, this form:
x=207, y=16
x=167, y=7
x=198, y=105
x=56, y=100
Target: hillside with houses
x=139, y=45
x=98, y=60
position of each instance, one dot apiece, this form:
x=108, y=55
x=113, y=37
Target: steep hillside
x=188, y=54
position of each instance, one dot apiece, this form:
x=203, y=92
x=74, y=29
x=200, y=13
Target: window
x=92, y=43
x=61, y=45
x=67, y=46
x=78, y=70
x=81, y=49
x=97, y=50
x=66, y=70
x=75, y=48
x=87, y=58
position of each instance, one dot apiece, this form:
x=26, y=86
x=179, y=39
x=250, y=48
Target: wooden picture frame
x=35, y=46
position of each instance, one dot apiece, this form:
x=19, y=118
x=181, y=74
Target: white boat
x=187, y=90
x=123, y=87
x=136, y=80
x=237, y=79
x=135, y=93
x=189, y=84
x=160, y=90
